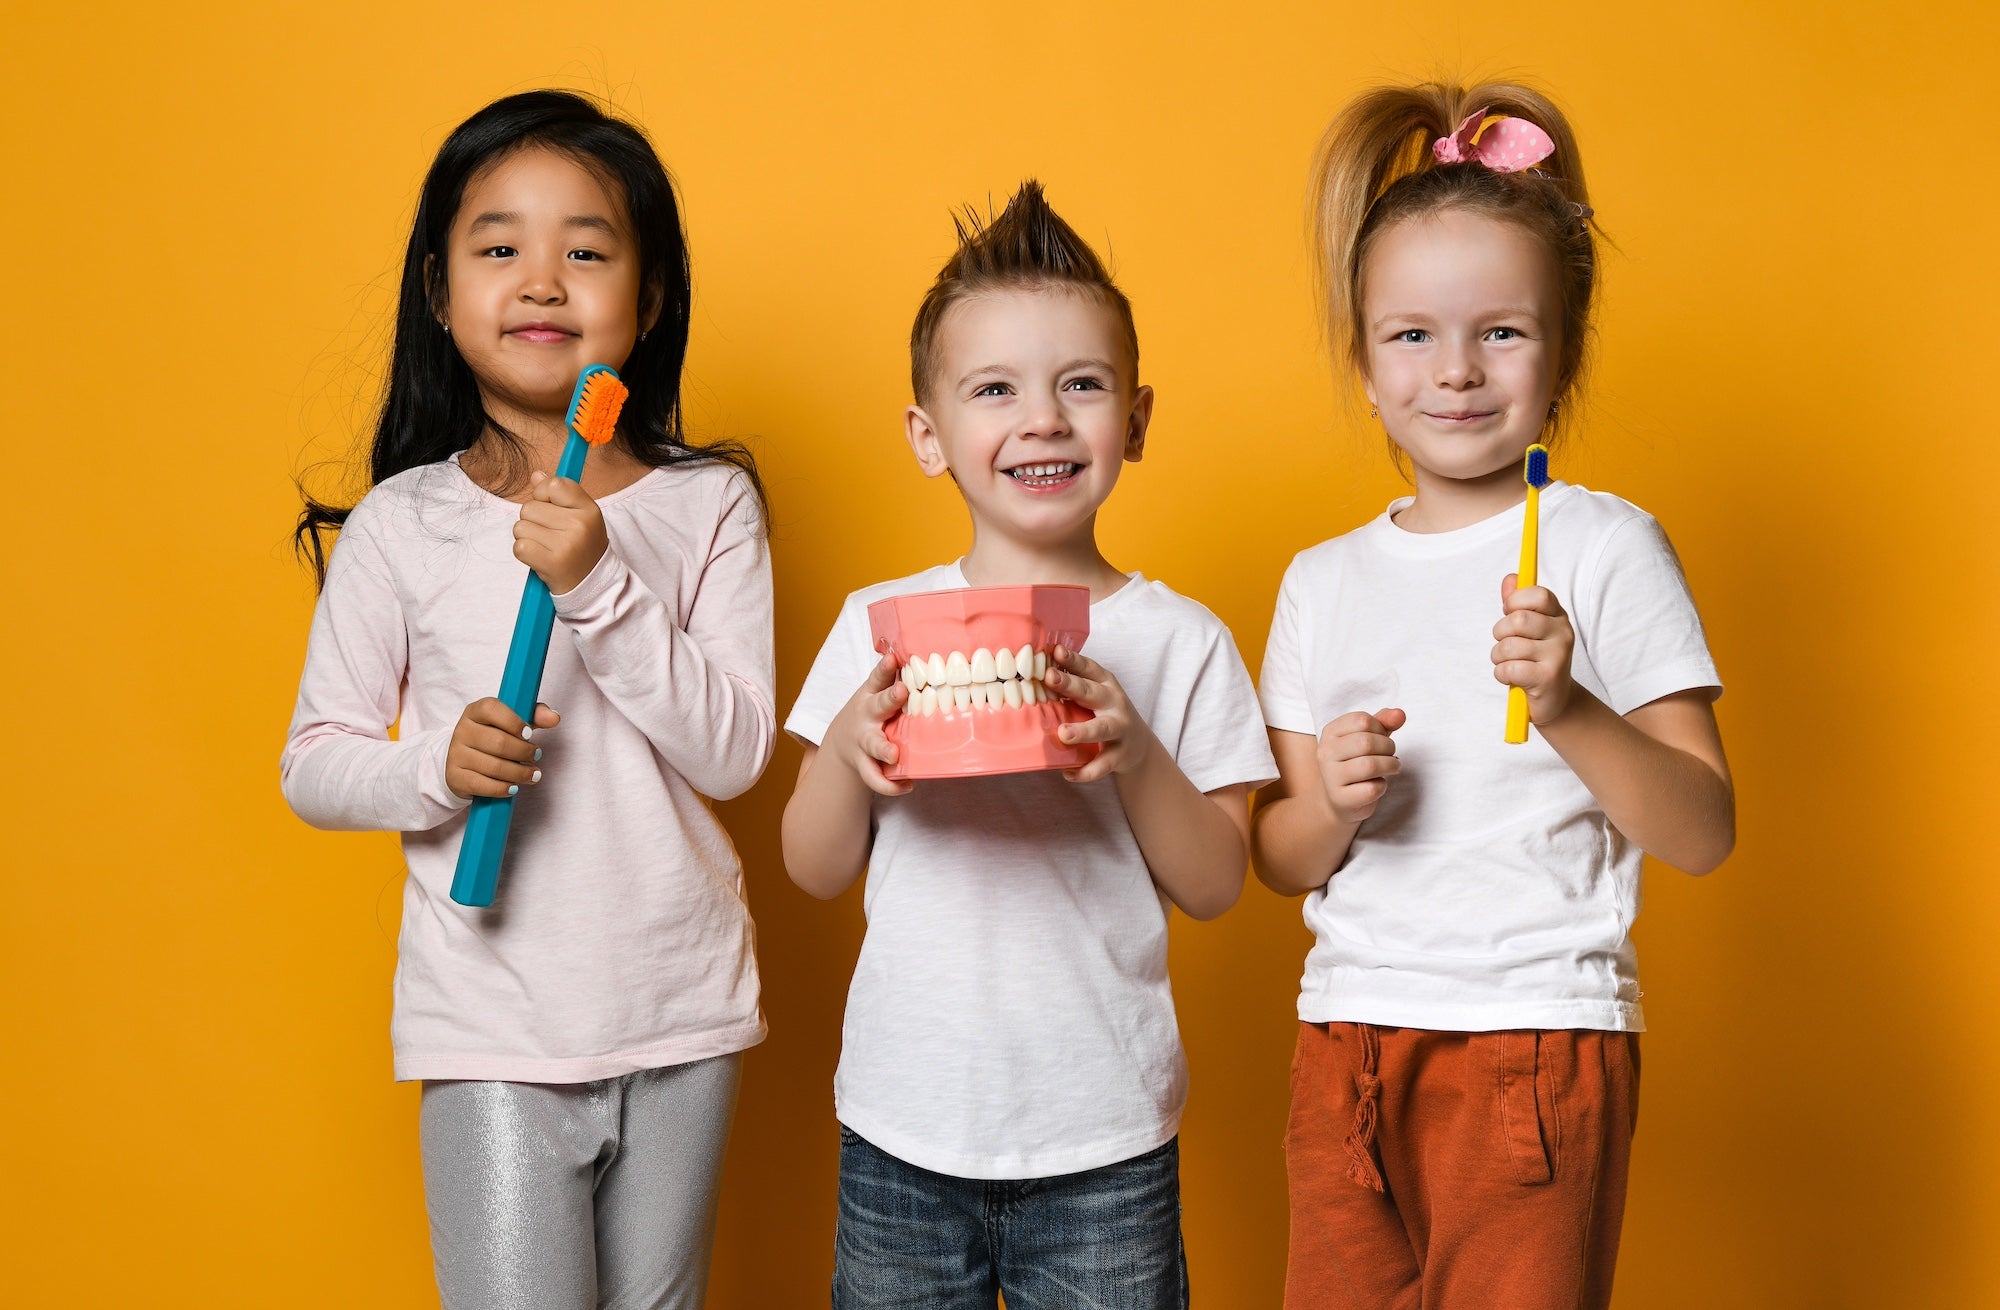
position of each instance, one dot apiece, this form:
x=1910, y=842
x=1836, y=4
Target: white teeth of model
x=1041, y=665
x=1003, y=664
x=927, y=701
x=934, y=671
x=956, y=671
x=962, y=697
x=1012, y=691
x=1030, y=694
x=979, y=692
x=982, y=665
x=1024, y=662
x=913, y=677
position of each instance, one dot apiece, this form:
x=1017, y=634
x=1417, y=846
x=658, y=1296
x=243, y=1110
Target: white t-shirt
x=1488, y=890
x=1010, y=1015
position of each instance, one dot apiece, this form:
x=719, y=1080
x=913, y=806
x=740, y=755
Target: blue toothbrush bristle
x=1537, y=470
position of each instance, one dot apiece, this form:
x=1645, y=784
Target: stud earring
x=642, y=336
x=446, y=327
x=1373, y=412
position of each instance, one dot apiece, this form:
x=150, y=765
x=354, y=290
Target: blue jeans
x=1104, y=1239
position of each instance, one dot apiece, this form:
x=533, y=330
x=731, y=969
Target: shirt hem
x=1603, y=1016
x=1009, y=1168
x=419, y=1066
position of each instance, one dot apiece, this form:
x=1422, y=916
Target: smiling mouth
x=1472, y=416
x=541, y=333
x=1044, y=475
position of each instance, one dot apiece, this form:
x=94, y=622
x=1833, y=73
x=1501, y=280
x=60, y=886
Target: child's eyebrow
x=503, y=218
x=987, y=370
x=1092, y=362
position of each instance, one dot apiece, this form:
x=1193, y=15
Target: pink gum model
x=972, y=709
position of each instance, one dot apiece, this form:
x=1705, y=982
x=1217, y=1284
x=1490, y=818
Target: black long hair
x=431, y=408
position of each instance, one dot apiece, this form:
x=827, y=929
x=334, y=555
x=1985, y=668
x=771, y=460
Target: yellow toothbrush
x=1535, y=472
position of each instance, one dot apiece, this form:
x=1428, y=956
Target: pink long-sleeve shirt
x=620, y=939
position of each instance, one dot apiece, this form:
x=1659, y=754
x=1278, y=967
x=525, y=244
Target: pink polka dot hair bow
x=1508, y=146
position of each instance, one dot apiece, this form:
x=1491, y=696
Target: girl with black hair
x=579, y=1041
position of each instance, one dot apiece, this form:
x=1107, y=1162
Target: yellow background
x=204, y=206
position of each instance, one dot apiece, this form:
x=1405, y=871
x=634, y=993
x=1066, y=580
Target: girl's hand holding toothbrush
x=491, y=751
x=1533, y=642
x=561, y=532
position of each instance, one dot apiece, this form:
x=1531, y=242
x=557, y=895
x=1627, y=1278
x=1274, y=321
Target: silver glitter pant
x=581, y=1196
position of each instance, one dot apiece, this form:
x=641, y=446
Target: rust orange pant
x=1442, y=1170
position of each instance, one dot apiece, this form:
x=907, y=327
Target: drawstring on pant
x=1361, y=1165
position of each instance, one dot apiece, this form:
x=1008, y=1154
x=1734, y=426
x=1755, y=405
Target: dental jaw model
x=973, y=660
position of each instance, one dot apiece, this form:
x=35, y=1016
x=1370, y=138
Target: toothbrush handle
x=1517, y=699
x=485, y=845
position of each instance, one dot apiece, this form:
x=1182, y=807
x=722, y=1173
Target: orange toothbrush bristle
x=597, y=412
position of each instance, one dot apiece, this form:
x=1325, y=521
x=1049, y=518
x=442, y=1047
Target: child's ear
x=917, y=426
x=1136, y=423
x=652, y=298
x=435, y=297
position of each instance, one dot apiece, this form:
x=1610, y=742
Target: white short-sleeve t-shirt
x=1010, y=1015
x=1488, y=890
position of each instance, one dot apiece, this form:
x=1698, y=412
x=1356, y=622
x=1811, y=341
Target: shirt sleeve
x=339, y=768
x=1282, y=688
x=1222, y=740
x=702, y=695
x=837, y=672
x=1636, y=619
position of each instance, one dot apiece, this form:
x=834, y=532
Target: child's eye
x=1084, y=384
x=1413, y=336
x=502, y=252
x=584, y=254
x=1504, y=334
x=992, y=389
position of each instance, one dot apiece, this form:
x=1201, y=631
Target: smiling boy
x=1011, y=1076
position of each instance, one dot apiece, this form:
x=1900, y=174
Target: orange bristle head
x=593, y=412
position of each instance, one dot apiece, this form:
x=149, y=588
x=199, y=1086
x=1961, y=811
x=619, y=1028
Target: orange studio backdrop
x=205, y=206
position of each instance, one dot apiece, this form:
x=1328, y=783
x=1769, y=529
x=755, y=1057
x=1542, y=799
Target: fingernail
x=527, y=734
x=536, y=776
x=538, y=752
x=513, y=789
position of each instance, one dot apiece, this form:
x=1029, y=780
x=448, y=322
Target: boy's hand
x=1124, y=740
x=1357, y=757
x=490, y=754
x=1532, y=648
x=561, y=532
x=855, y=737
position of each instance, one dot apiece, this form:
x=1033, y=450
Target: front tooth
x=934, y=671
x=962, y=697
x=956, y=671
x=1041, y=665
x=927, y=701
x=1012, y=691
x=913, y=677
x=1003, y=664
x=979, y=690
x=982, y=665
x=1024, y=662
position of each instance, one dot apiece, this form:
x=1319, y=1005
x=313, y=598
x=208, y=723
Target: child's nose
x=1044, y=418
x=541, y=282
x=1457, y=368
